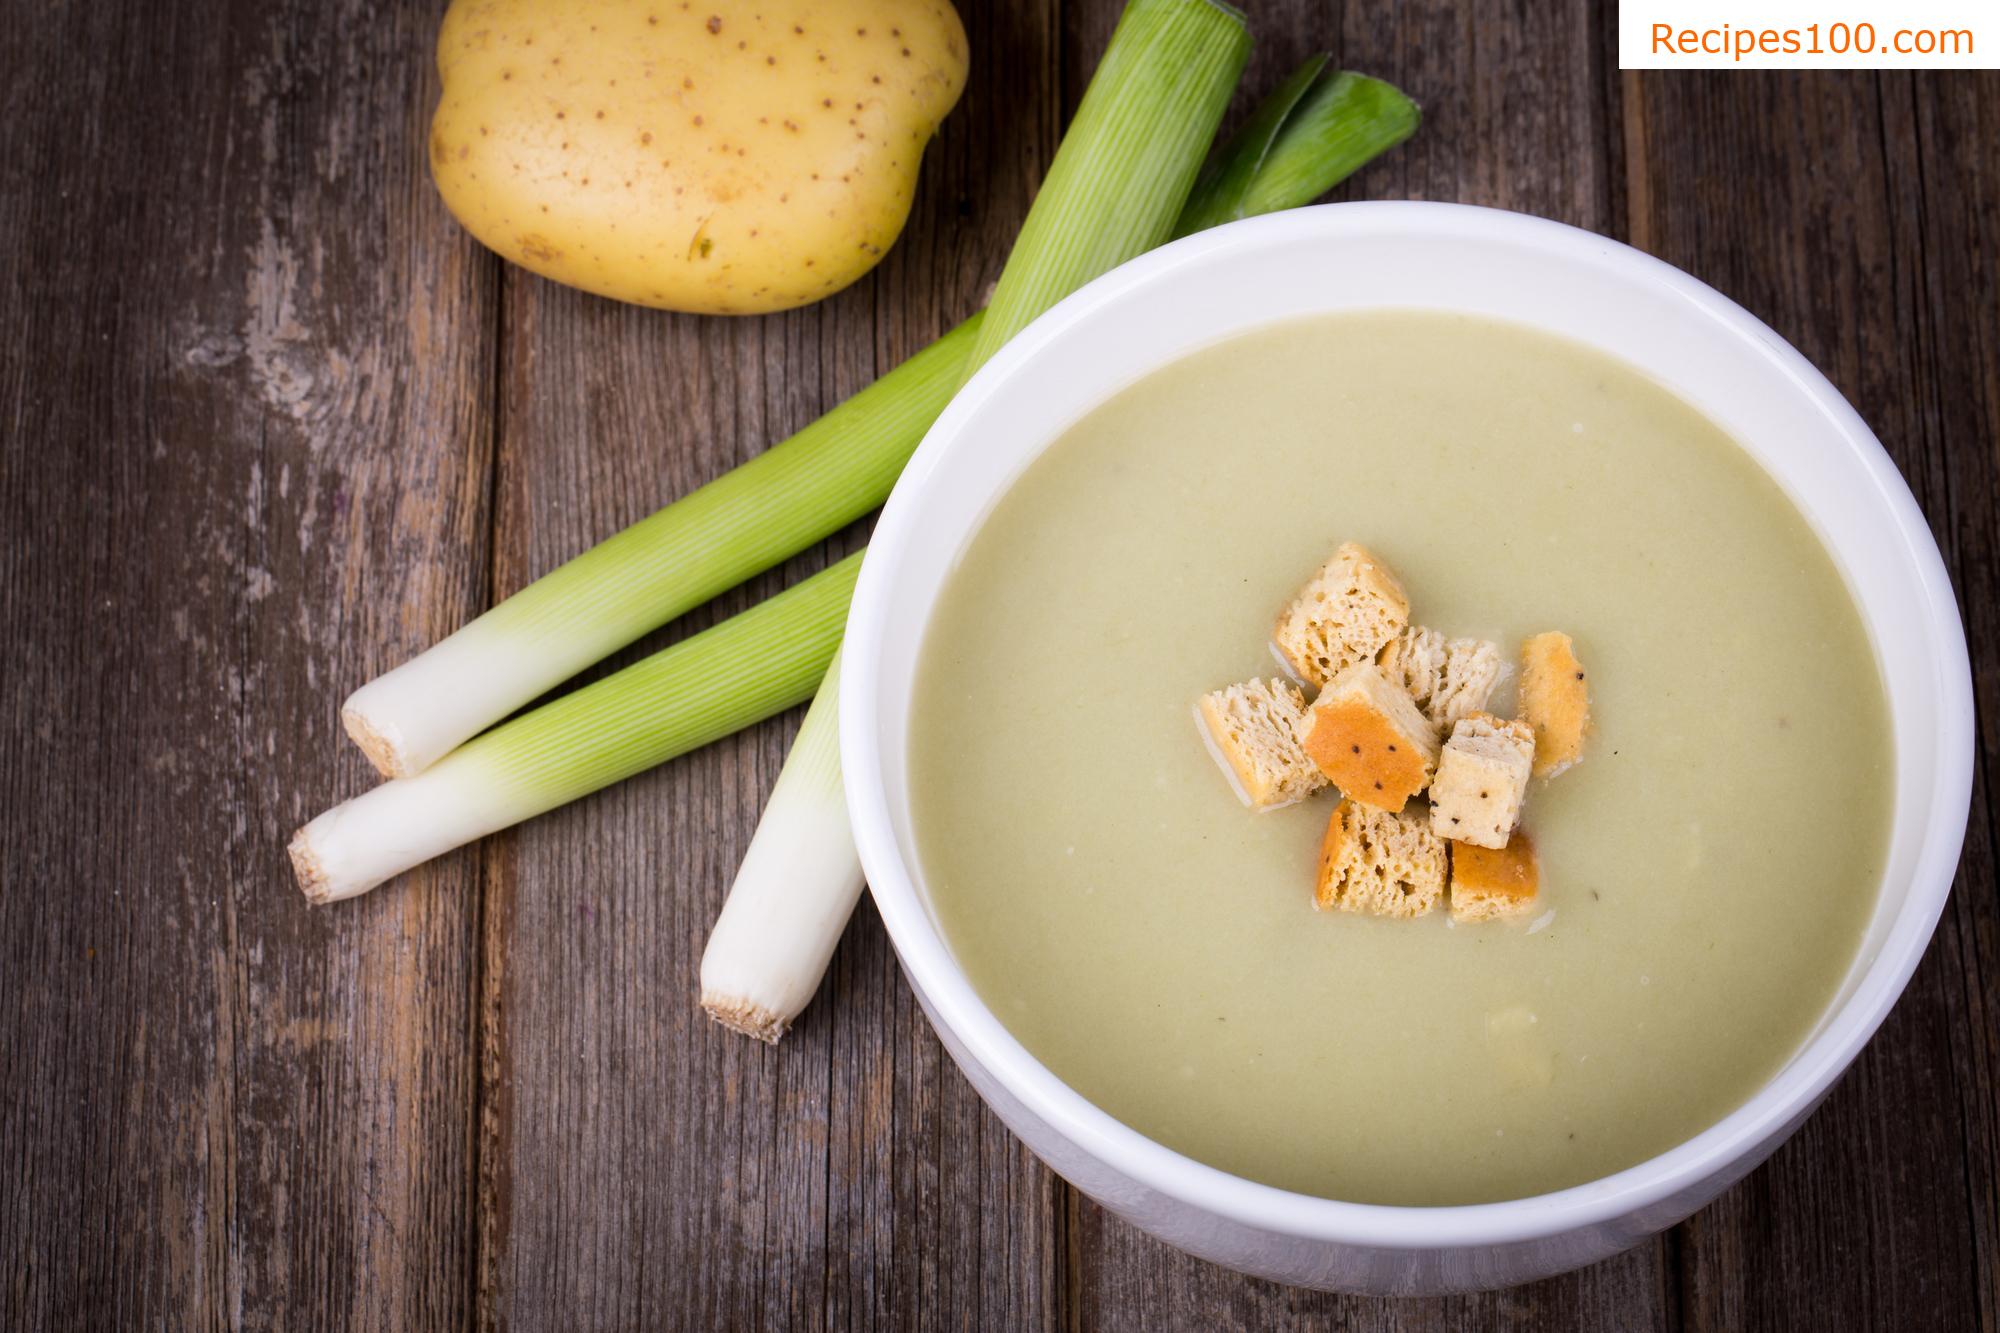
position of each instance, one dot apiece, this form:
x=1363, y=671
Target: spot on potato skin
x=538, y=248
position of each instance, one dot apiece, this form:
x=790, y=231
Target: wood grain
x=1944, y=130
x=271, y=423
x=847, y=1176
x=246, y=396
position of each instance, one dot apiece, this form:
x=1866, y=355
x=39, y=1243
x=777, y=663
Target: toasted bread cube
x=1489, y=884
x=1482, y=778
x=1252, y=730
x=1555, y=701
x=1368, y=737
x=1345, y=614
x=1388, y=865
x=1449, y=678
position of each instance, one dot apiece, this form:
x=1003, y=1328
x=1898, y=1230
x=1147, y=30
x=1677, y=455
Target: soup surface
x=1707, y=870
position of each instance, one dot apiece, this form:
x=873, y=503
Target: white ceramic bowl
x=1347, y=257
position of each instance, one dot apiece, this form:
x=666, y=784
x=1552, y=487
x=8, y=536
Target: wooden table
x=273, y=423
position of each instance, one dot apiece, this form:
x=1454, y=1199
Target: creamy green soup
x=1707, y=869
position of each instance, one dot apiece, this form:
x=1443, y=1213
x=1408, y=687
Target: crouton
x=1368, y=737
x=1345, y=614
x=1555, y=701
x=1488, y=884
x=1482, y=778
x=1390, y=865
x=1449, y=678
x=1253, y=732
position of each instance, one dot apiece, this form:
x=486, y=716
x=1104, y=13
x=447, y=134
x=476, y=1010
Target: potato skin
x=713, y=157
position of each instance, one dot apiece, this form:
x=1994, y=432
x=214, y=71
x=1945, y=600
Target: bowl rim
x=1770, y=1113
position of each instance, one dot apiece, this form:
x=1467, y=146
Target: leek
x=1118, y=183
x=1222, y=185
x=1312, y=133
x=739, y=672
x=729, y=676
x=1124, y=168
x=1344, y=120
x=793, y=894
x=801, y=878
x=745, y=521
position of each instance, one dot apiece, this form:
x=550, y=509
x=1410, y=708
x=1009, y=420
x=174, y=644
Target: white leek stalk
x=797, y=887
x=1118, y=182
x=729, y=676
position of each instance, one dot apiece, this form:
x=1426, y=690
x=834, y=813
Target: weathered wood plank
x=1508, y=123
x=245, y=390
x=1839, y=209
x=639, y=1165
x=1137, y=1283
x=248, y=428
x=1956, y=127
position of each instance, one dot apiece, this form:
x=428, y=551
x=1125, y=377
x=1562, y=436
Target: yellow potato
x=716, y=157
